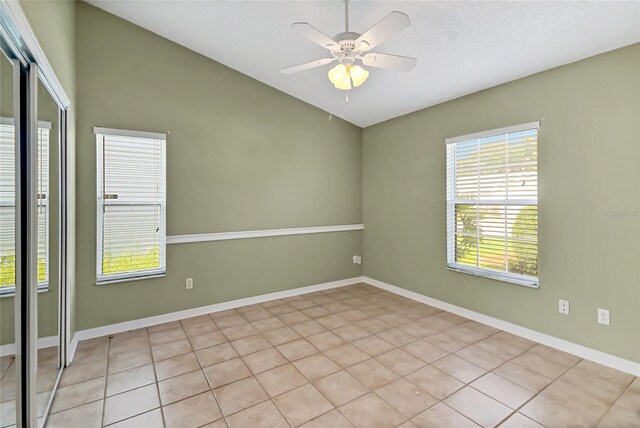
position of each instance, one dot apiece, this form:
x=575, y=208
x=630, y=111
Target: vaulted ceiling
x=462, y=47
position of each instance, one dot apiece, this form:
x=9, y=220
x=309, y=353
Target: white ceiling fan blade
x=307, y=65
x=390, y=62
x=383, y=30
x=316, y=36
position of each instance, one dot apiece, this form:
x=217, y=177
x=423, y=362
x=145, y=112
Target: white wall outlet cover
x=603, y=316
x=355, y=260
x=563, y=307
x=359, y=260
x=189, y=283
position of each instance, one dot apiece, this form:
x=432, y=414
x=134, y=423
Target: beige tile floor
x=354, y=356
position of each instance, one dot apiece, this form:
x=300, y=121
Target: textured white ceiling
x=462, y=47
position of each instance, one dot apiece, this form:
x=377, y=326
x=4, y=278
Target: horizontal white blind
x=492, y=199
x=131, y=207
x=8, y=206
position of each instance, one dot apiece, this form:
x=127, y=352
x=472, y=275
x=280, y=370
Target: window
x=8, y=206
x=492, y=204
x=131, y=207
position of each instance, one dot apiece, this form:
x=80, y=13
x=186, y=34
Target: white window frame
x=514, y=278
x=43, y=286
x=129, y=276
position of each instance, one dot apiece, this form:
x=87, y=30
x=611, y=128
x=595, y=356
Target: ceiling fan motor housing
x=348, y=49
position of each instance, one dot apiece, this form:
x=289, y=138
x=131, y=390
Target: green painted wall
x=589, y=166
x=240, y=156
x=53, y=23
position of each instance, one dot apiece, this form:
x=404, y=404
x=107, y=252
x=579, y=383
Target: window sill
x=129, y=279
x=43, y=288
x=485, y=273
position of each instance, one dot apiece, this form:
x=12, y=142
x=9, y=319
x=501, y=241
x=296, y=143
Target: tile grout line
x=309, y=382
x=215, y=397
x=106, y=380
x=155, y=374
x=514, y=362
x=133, y=389
x=274, y=315
x=345, y=369
x=321, y=352
x=628, y=387
x=272, y=399
x=373, y=391
x=453, y=353
x=255, y=374
x=539, y=392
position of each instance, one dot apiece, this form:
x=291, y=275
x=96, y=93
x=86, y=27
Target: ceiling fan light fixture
x=358, y=75
x=345, y=85
x=347, y=47
x=339, y=76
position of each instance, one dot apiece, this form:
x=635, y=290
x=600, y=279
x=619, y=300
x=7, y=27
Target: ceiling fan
x=349, y=47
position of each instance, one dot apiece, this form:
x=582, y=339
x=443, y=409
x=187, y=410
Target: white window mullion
x=506, y=211
x=478, y=206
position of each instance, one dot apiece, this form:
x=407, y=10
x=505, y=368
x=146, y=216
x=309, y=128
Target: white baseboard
x=43, y=342
x=188, y=313
x=581, y=351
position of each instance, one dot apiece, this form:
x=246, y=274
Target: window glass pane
x=7, y=246
x=131, y=238
x=132, y=168
x=523, y=165
x=467, y=220
x=522, y=245
x=43, y=205
x=7, y=207
x=7, y=203
x=467, y=250
x=492, y=191
x=131, y=192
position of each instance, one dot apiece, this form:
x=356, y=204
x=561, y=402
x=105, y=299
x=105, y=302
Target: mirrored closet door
x=48, y=254
x=33, y=229
x=9, y=370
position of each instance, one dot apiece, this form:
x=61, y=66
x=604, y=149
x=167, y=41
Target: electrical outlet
x=603, y=316
x=189, y=283
x=563, y=307
x=359, y=260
